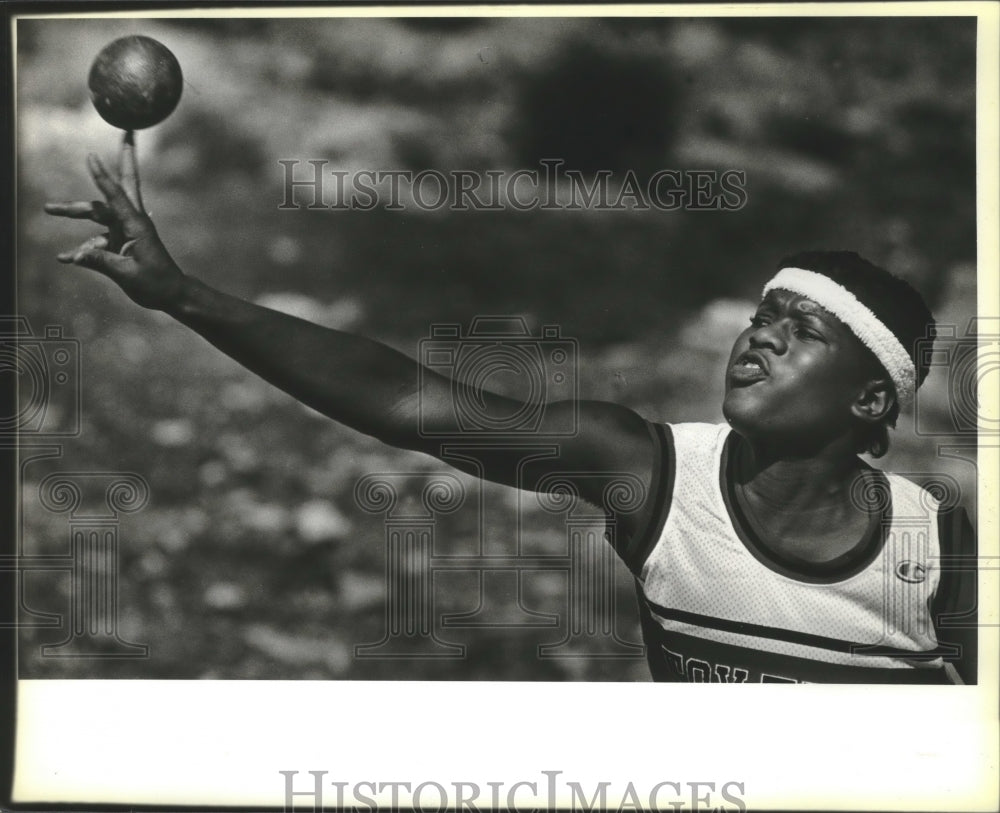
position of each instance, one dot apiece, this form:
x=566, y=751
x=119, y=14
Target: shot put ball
x=135, y=82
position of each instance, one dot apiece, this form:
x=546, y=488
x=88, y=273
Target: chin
x=745, y=413
x=737, y=407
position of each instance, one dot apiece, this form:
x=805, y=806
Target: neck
x=816, y=480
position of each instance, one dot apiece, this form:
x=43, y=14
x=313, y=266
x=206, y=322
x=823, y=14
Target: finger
x=99, y=242
x=105, y=262
x=114, y=193
x=96, y=210
x=128, y=170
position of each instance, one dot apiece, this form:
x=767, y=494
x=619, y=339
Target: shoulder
x=698, y=447
x=697, y=429
x=685, y=453
x=927, y=489
x=689, y=447
x=932, y=496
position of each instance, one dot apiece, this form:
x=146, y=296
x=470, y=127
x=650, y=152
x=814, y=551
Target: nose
x=771, y=336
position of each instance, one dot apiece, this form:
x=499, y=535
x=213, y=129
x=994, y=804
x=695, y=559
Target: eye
x=807, y=334
x=759, y=320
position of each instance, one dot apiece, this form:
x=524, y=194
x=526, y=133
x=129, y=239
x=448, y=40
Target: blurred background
x=252, y=558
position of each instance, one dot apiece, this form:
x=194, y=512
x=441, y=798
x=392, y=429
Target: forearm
x=352, y=379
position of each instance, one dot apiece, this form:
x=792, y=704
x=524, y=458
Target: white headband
x=836, y=299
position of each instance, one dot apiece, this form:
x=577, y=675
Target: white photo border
x=209, y=743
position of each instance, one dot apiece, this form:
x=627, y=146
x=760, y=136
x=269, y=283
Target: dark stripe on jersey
x=638, y=548
x=957, y=544
x=954, y=608
x=838, y=569
x=676, y=657
x=789, y=636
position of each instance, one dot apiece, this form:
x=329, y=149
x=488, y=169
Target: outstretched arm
x=352, y=379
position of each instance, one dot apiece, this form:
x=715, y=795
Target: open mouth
x=749, y=368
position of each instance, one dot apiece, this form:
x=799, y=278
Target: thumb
x=106, y=262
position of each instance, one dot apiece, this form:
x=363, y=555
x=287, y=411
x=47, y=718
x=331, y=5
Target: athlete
x=765, y=549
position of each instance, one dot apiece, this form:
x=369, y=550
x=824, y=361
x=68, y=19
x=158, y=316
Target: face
x=794, y=373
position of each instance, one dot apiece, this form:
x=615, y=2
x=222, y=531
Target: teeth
x=753, y=365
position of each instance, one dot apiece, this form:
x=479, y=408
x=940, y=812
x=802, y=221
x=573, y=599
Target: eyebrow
x=802, y=309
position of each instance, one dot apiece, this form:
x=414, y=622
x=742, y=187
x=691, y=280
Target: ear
x=874, y=401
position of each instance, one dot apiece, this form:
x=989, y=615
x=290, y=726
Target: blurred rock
x=697, y=42
x=154, y=564
x=249, y=395
x=320, y=520
x=299, y=650
x=173, y=432
x=359, y=591
x=238, y=452
x=174, y=539
x=268, y=518
x=224, y=596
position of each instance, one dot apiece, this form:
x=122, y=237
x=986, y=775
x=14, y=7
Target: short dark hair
x=896, y=303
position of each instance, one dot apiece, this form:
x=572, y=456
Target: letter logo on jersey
x=912, y=572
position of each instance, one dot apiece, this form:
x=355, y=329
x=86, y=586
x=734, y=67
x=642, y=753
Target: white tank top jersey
x=717, y=606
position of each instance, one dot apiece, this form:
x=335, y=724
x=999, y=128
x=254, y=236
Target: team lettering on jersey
x=696, y=670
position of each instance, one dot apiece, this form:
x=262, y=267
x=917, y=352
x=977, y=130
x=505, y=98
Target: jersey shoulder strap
x=687, y=452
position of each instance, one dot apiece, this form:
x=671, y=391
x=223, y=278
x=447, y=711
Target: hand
x=130, y=253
